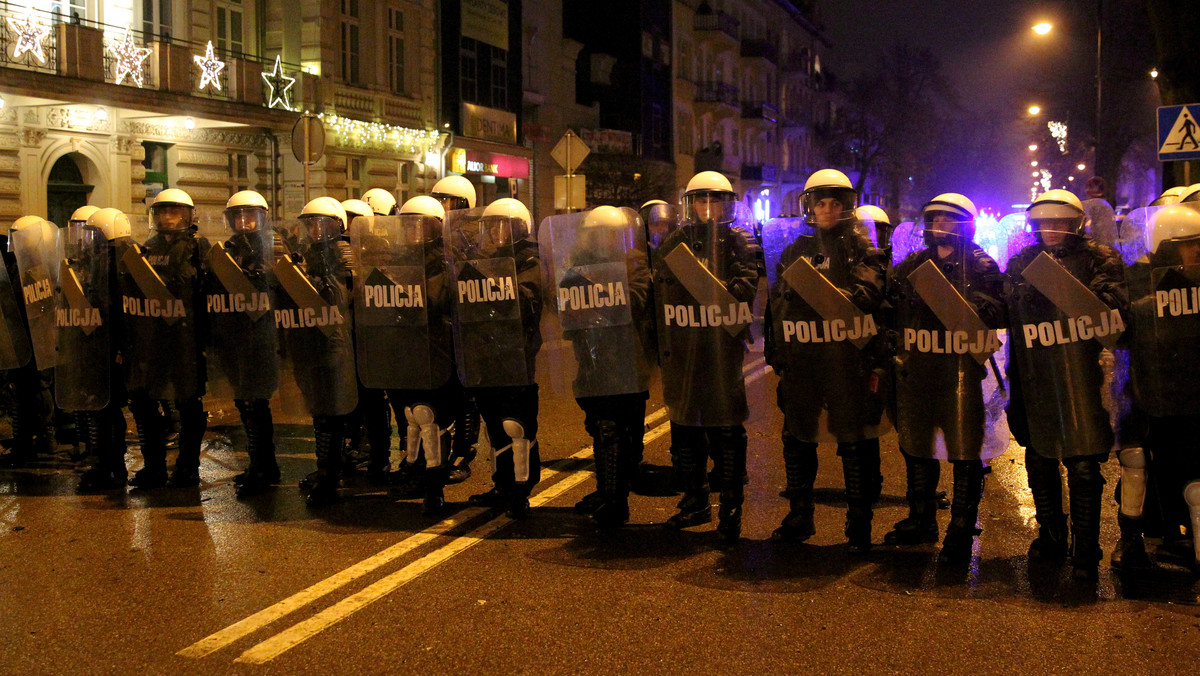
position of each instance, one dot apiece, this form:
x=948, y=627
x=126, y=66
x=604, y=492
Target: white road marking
x=302, y=631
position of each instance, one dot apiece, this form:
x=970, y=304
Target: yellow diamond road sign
x=569, y=151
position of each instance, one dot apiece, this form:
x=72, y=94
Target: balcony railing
x=717, y=21
x=758, y=48
x=759, y=110
x=716, y=92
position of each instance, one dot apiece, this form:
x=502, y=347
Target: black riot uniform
x=705, y=275
x=830, y=360
x=243, y=346
x=165, y=332
x=1160, y=463
x=948, y=301
x=1056, y=409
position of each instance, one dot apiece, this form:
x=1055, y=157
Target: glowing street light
x=1081, y=166
x=1042, y=28
x=1154, y=73
x=1032, y=146
x=1033, y=163
x=1035, y=109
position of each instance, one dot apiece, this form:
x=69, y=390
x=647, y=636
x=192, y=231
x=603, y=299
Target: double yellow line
x=302, y=631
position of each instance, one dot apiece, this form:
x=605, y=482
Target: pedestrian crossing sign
x=1179, y=132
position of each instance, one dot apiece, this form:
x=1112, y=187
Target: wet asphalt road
x=194, y=581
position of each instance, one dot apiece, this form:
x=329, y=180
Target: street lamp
x=1042, y=28
x=1035, y=109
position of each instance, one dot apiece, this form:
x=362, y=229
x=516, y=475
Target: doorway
x=65, y=190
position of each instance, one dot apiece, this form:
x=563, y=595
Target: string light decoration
x=359, y=133
x=130, y=59
x=210, y=69
x=30, y=36
x=279, y=85
x=1058, y=130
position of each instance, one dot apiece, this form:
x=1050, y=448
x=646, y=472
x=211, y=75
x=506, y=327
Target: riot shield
x=37, y=251
x=15, y=350
x=239, y=299
x=824, y=346
x=489, y=335
x=313, y=319
x=660, y=220
x=1133, y=233
x=1058, y=330
x=906, y=240
x=706, y=277
x=83, y=375
x=597, y=280
x=942, y=351
x=1165, y=306
x=401, y=312
x=1014, y=235
x=161, y=298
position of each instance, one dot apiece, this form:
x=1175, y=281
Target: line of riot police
x=434, y=309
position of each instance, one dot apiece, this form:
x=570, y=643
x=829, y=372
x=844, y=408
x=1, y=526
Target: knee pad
x=1133, y=481
x=412, y=438
x=431, y=434
x=520, y=448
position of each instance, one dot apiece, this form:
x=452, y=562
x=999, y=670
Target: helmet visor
x=709, y=205
x=322, y=228
x=450, y=202
x=171, y=217
x=827, y=207
x=245, y=219
x=661, y=220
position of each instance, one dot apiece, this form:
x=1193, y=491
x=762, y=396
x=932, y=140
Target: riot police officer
x=165, y=331
x=89, y=377
x=28, y=253
x=314, y=321
x=455, y=192
x=380, y=201
x=824, y=344
x=877, y=226
x=1066, y=304
x=706, y=277
x=600, y=282
x=498, y=308
x=1158, y=454
x=948, y=301
x=239, y=294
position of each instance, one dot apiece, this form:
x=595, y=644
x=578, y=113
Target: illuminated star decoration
x=280, y=85
x=210, y=68
x=129, y=59
x=30, y=37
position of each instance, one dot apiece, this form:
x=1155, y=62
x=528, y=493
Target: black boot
x=462, y=450
x=379, y=443
x=263, y=471
x=732, y=450
x=1086, y=486
x=1130, y=550
x=193, y=421
x=592, y=501
x=612, y=470
x=920, y=525
x=691, y=456
x=151, y=433
x=964, y=512
x=861, y=474
x=800, y=465
x=109, y=472
x=330, y=444
x=1045, y=483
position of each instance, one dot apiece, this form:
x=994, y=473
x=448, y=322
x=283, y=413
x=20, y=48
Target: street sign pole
x=569, y=152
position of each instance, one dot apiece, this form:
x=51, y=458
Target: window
x=239, y=172
x=403, y=178
x=230, y=37
x=469, y=70
x=499, y=78
x=350, y=46
x=396, y=50
x=67, y=10
x=156, y=167
x=354, y=172
x=156, y=18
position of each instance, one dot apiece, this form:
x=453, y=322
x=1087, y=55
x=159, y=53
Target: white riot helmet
x=381, y=202
x=454, y=192
x=660, y=219
x=325, y=218
x=26, y=222
x=605, y=233
x=870, y=212
x=82, y=214
x=430, y=214
x=1169, y=196
x=246, y=211
x=358, y=209
x=112, y=222
x=827, y=184
x=1058, y=210
x=1172, y=226
x=949, y=215
x=709, y=197
x=504, y=223
x=172, y=211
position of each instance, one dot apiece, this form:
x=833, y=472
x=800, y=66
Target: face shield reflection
x=322, y=228
x=245, y=219
x=171, y=217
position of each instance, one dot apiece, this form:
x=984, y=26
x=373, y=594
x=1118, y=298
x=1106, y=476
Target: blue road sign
x=1179, y=133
